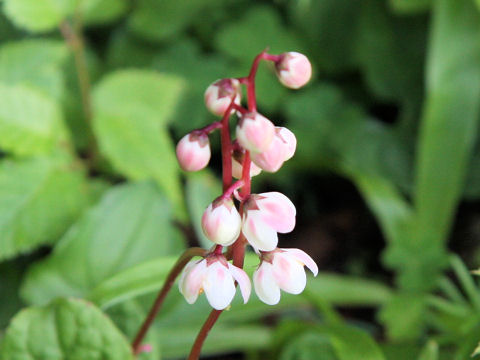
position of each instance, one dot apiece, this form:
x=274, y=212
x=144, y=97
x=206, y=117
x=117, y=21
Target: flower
x=293, y=69
x=282, y=269
x=237, y=165
x=255, y=132
x=264, y=215
x=221, y=222
x=193, y=151
x=281, y=149
x=215, y=276
x=218, y=95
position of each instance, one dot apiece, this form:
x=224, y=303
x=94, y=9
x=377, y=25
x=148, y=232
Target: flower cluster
x=259, y=145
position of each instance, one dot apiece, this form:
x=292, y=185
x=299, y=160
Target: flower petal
x=289, y=273
x=218, y=285
x=243, y=281
x=191, y=280
x=304, y=259
x=265, y=285
x=277, y=211
x=258, y=233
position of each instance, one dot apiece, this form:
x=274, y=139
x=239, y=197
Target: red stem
x=202, y=335
x=228, y=193
x=211, y=127
x=177, y=268
x=227, y=147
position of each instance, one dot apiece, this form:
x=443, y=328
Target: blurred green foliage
x=94, y=209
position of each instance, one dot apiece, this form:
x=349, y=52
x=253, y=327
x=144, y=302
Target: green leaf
x=64, y=329
x=39, y=199
x=38, y=15
x=410, y=6
x=342, y=290
x=102, y=11
x=242, y=40
x=201, y=189
x=449, y=126
x=430, y=351
x=309, y=346
x=132, y=108
x=34, y=62
x=30, y=122
x=131, y=224
x=161, y=20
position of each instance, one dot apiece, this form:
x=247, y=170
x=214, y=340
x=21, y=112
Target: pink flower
x=215, y=276
x=293, y=70
x=281, y=149
x=282, y=269
x=265, y=215
x=237, y=167
x=218, y=95
x=255, y=132
x=221, y=222
x=193, y=151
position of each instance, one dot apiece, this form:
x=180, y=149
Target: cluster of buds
x=259, y=145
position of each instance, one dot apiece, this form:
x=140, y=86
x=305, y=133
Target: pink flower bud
x=221, y=222
x=237, y=167
x=193, y=151
x=281, y=149
x=218, y=95
x=255, y=132
x=282, y=269
x=215, y=276
x=265, y=215
x=293, y=70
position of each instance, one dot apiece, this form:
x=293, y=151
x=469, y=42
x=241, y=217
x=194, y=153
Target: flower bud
x=218, y=95
x=237, y=167
x=193, y=151
x=255, y=132
x=293, y=70
x=221, y=222
x=281, y=149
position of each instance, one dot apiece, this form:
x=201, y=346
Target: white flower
x=264, y=215
x=282, y=269
x=221, y=222
x=215, y=276
x=193, y=151
x=255, y=132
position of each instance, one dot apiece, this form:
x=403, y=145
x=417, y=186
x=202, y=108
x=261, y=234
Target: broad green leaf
x=201, y=189
x=102, y=11
x=38, y=15
x=34, y=62
x=132, y=108
x=64, y=329
x=330, y=27
x=242, y=39
x=31, y=123
x=391, y=72
x=449, y=126
x=343, y=290
x=39, y=199
x=186, y=60
x=308, y=346
x=130, y=225
x=161, y=20
x=410, y=6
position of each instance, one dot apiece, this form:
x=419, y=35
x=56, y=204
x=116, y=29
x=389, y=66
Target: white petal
x=243, y=281
x=265, y=285
x=304, y=259
x=277, y=211
x=259, y=234
x=218, y=285
x=289, y=273
x=191, y=280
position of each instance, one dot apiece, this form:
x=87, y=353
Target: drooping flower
x=293, y=69
x=281, y=149
x=214, y=276
x=264, y=216
x=193, y=151
x=221, y=222
x=237, y=167
x=219, y=94
x=282, y=269
x=255, y=132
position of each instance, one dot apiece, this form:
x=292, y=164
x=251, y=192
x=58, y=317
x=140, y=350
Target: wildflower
x=193, y=151
x=281, y=149
x=293, y=70
x=237, y=167
x=219, y=95
x=255, y=132
x=221, y=222
x=282, y=269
